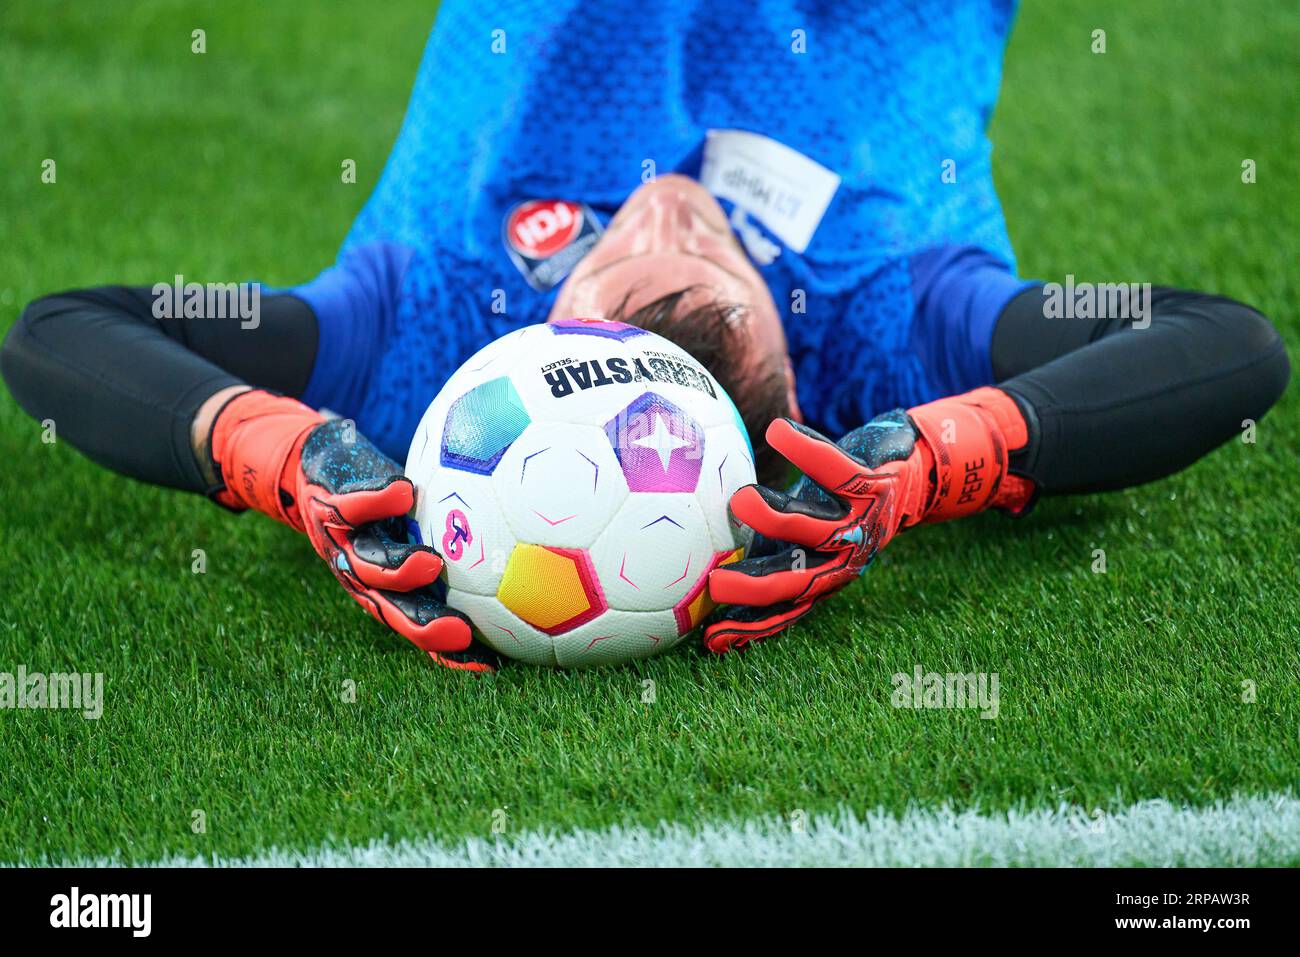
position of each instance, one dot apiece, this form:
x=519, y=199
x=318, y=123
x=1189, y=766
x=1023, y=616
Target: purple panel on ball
x=659, y=446
x=595, y=327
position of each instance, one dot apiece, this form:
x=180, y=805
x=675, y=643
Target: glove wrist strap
x=970, y=438
x=256, y=444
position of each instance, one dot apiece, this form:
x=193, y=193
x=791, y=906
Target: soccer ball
x=575, y=476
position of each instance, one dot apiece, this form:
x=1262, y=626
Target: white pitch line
x=1262, y=830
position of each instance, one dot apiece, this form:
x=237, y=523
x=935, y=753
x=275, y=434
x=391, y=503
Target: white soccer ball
x=575, y=476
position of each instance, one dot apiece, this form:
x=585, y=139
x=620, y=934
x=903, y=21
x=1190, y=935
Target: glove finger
x=816, y=456
x=417, y=616
x=380, y=561
x=761, y=545
x=478, y=658
x=789, y=519
x=793, y=575
x=361, y=507
x=742, y=625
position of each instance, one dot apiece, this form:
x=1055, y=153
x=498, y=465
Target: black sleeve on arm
x=123, y=386
x=1110, y=405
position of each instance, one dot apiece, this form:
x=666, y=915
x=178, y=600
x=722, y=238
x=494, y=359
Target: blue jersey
x=888, y=299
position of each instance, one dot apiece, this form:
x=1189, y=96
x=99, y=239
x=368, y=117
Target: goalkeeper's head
x=670, y=263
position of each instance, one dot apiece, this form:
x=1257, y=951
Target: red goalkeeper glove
x=936, y=462
x=286, y=460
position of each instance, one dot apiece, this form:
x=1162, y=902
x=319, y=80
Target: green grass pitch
x=224, y=691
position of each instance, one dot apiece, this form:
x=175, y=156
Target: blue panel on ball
x=481, y=425
x=740, y=424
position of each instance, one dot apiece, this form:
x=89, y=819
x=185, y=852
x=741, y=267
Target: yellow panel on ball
x=553, y=589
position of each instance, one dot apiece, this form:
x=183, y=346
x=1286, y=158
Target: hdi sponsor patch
x=546, y=237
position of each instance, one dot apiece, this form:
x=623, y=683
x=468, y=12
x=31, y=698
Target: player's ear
x=791, y=395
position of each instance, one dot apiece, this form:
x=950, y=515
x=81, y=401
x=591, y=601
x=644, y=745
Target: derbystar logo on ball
x=545, y=238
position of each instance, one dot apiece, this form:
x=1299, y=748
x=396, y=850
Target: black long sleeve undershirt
x=123, y=386
x=1111, y=405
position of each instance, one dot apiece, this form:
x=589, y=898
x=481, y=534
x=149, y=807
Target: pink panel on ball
x=659, y=446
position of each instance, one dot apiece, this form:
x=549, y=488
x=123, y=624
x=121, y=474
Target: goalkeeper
x=804, y=202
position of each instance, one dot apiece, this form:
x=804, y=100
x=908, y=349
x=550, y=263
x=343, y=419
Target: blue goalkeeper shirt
x=900, y=279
